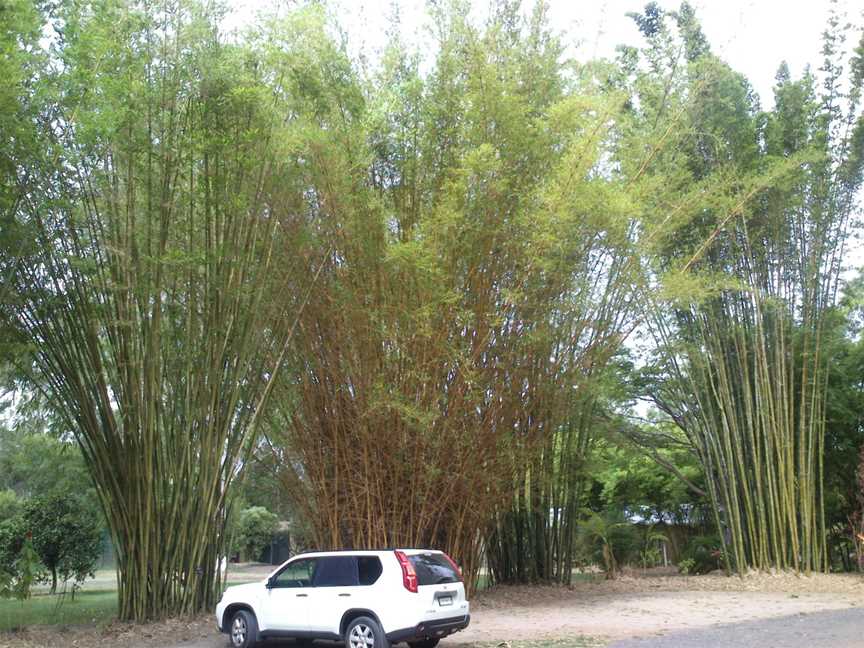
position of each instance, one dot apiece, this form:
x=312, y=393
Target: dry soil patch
x=629, y=607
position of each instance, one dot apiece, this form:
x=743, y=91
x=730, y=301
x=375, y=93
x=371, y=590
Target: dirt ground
x=596, y=611
x=633, y=607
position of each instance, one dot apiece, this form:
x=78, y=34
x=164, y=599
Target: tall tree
x=844, y=426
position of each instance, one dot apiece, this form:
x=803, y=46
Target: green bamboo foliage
x=755, y=399
x=750, y=281
x=146, y=299
x=532, y=536
x=443, y=257
x=476, y=280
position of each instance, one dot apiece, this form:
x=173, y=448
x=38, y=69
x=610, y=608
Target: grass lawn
x=90, y=607
x=95, y=607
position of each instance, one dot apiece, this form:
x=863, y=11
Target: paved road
x=835, y=629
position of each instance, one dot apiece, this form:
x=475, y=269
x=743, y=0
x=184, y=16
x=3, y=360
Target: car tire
x=243, y=631
x=364, y=632
x=424, y=643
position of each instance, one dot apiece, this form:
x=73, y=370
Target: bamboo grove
x=744, y=337
x=143, y=293
x=433, y=363
x=407, y=283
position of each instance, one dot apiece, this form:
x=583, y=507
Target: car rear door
x=334, y=592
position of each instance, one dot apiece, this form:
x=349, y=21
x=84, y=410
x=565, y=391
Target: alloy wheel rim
x=361, y=636
x=238, y=631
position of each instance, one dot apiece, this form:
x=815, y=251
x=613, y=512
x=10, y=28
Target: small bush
x=608, y=540
x=686, y=566
x=10, y=505
x=66, y=534
x=63, y=534
x=26, y=570
x=703, y=554
x=12, y=531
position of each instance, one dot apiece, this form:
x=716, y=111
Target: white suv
x=369, y=599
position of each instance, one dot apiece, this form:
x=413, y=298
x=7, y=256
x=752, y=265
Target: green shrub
x=705, y=553
x=55, y=537
x=650, y=541
x=67, y=536
x=10, y=505
x=686, y=566
x=608, y=540
x=28, y=569
x=255, y=529
x=17, y=579
x=6, y=583
x=12, y=531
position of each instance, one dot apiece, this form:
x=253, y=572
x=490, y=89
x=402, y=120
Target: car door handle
x=344, y=594
x=303, y=595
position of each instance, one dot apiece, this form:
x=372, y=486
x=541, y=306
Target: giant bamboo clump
x=750, y=279
x=532, y=535
x=474, y=278
x=145, y=296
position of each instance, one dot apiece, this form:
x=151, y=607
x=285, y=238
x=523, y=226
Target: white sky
x=753, y=36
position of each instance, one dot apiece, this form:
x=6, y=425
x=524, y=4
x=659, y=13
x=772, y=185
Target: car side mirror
x=269, y=583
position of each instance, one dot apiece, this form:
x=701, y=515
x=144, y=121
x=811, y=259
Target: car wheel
x=243, y=632
x=364, y=632
x=424, y=643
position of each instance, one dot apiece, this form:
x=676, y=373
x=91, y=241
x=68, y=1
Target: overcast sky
x=753, y=36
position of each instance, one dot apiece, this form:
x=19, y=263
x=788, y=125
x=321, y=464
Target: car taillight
x=409, y=576
x=455, y=566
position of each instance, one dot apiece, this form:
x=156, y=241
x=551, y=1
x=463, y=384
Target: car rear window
x=433, y=569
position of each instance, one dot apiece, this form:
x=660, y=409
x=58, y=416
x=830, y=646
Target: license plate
x=445, y=600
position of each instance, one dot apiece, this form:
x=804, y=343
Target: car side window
x=336, y=571
x=369, y=569
x=299, y=573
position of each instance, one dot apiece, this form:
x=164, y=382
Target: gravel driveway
x=764, y=611
x=834, y=629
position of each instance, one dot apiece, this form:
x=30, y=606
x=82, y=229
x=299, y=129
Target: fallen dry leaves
x=113, y=635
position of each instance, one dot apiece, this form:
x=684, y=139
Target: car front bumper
x=220, y=612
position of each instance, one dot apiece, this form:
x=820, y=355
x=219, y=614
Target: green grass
x=90, y=607
x=96, y=607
